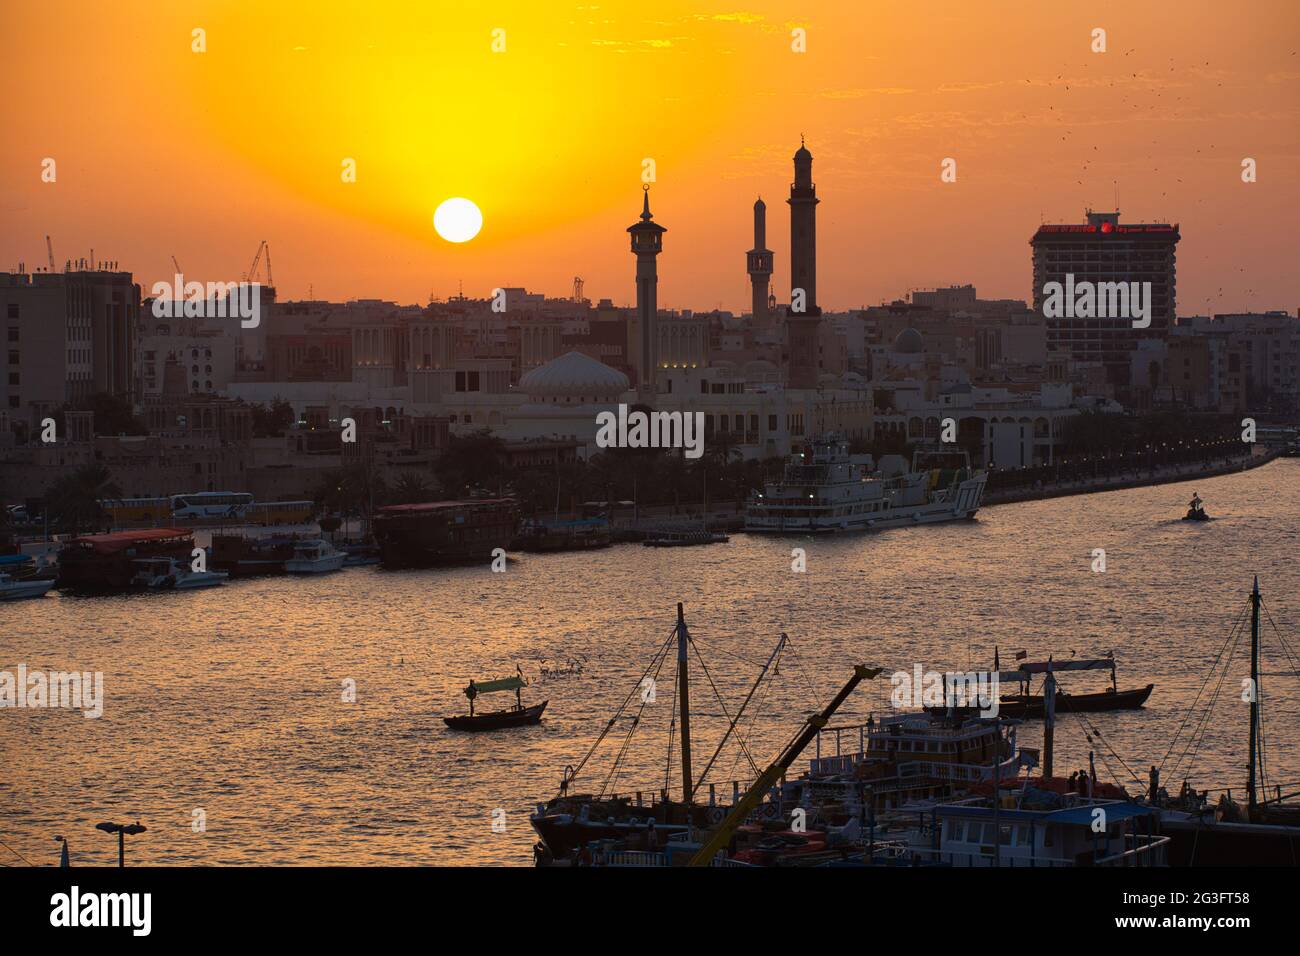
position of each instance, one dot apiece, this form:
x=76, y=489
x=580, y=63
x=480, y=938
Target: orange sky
x=162, y=151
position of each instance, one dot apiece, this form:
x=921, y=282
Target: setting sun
x=457, y=220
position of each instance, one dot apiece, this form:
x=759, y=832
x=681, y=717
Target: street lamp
x=121, y=831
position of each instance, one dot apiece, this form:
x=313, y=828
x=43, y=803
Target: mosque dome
x=909, y=342
x=574, y=375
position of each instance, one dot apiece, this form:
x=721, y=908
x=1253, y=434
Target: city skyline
x=557, y=197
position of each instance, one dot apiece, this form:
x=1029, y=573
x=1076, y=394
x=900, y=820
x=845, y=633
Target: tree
x=471, y=461
x=73, y=500
x=410, y=488
x=113, y=415
x=352, y=488
x=271, y=421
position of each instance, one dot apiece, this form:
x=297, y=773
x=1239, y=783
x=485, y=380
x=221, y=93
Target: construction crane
x=267, y=246
x=179, y=271
x=769, y=777
x=251, y=274
x=49, y=249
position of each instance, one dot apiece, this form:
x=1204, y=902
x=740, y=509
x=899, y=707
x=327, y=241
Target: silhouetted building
x=803, y=324
x=1104, y=251
x=647, y=243
x=67, y=335
x=759, y=263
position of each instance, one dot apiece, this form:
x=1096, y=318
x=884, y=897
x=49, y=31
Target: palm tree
x=74, y=499
x=410, y=488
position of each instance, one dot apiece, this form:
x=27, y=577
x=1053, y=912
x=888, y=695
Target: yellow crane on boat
x=769, y=777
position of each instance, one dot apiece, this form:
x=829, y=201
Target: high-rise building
x=758, y=261
x=1103, y=251
x=647, y=243
x=67, y=335
x=803, y=318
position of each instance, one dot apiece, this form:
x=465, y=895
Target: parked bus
x=137, y=511
x=280, y=512
x=211, y=504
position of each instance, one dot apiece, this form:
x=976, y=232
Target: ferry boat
x=826, y=489
x=444, y=532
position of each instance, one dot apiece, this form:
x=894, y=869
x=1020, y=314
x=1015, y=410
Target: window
x=13, y=314
x=13, y=401
x=13, y=335
x=13, y=357
x=13, y=378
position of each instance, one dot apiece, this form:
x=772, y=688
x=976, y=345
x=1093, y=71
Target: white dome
x=574, y=375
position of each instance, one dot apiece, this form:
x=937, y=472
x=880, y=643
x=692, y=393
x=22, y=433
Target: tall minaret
x=759, y=262
x=647, y=243
x=803, y=326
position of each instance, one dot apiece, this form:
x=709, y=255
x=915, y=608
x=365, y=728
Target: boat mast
x=1254, y=692
x=1049, y=719
x=684, y=705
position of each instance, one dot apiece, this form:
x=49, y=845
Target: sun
x=457, y=220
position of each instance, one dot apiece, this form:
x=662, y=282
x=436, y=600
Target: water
x=230, y=700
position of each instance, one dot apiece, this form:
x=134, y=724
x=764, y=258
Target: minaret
x=759, y=262
x=647, y=243
x=803, y=326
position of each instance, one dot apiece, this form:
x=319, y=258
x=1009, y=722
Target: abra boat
x=517, y=716
x=1026, y=704
x=825, y=489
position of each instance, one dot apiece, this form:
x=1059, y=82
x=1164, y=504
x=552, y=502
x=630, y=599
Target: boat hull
x=444, y=533
x=965, y=503
x=497, y=720
x=1031, y=705
x=18, y=590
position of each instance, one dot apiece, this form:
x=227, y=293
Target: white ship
x=824, y=488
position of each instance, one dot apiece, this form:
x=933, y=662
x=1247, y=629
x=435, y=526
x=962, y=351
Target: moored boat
x=13, y=589
x=246, y=556
x=826, y=489
x=684, y=539
x=106, y=562
x=444, y=532
x=168, y=574
x=314, y=557
x=580, y=534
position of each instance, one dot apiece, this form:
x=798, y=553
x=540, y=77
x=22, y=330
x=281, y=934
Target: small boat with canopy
x=516, y=716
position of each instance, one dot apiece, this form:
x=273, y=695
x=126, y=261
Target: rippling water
x=230, y=700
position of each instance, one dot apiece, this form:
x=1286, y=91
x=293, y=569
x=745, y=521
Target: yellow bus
x=137, y=511
x=280, y=512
